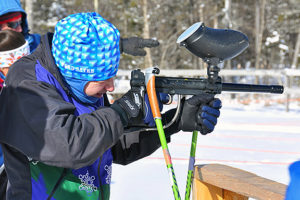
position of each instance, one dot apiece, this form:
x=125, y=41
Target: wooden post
x=207, y=191
x=221, y=182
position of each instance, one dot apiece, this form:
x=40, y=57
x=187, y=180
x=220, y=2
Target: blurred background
x=272, y=26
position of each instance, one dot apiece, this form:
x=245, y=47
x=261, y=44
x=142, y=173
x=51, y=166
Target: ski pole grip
x=151, y=91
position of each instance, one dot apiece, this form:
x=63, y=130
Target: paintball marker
x=213, y=46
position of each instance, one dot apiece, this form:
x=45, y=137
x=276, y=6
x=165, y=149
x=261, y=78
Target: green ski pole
x=190, y=175
x=151, y=91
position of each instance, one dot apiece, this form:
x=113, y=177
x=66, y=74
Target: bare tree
x=96, y=5
x=29, y=10
x=146, y=34
x=296, y=52
x=259, y=28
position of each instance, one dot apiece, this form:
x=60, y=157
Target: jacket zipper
x=100, y=184
x=57, y=183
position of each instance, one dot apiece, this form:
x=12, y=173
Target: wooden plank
x=240, y=181
x=229, y=195
x=206, y=191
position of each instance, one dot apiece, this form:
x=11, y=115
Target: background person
x=61, y=139
x=13, y=17
x=13, y=46
x=293, y=192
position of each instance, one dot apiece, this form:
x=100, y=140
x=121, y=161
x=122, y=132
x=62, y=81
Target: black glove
x=135, y=110
x=129, y=107
x=200, y=113
x=135, y=45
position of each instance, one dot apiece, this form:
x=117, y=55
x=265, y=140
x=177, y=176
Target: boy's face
x=13, y=25
x=98, y=88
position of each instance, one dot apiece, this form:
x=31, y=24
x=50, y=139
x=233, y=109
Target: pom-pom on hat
x=85, y=46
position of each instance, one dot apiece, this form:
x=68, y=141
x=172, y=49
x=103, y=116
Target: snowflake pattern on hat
x=85, y=46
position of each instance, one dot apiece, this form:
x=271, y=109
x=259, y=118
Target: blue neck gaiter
x=77, y=88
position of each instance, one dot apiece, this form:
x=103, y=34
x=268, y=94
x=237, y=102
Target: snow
x=273, y=39
x=259, y=139
x=283, y=47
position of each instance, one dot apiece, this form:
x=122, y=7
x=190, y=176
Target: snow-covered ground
x=262, y=140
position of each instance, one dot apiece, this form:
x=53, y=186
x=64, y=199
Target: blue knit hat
x=85, y=46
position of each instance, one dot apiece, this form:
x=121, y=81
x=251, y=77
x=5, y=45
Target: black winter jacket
x=37, y=124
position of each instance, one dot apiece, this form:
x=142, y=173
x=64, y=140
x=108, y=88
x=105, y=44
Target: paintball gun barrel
x=195, y=86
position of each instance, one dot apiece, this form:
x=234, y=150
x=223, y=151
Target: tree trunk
x=227, y=8
x=193, y=19
x=96, y=6
x=296, y=52
x=259, y=28
x=146, y=34
x=28, y=10
x=201, y=17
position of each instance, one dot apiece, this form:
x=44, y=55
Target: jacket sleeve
x=134, y=145
x=35, y=120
